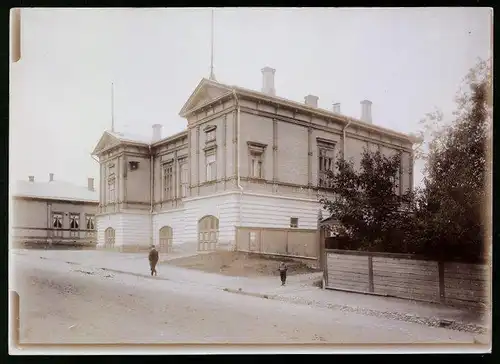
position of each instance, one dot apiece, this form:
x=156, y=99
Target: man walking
x=283, y=268
x=153, y=260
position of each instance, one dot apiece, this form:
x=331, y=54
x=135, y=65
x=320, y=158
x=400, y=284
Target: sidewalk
x=299, y=289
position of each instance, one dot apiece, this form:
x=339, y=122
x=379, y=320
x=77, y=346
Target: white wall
x=275, y=212
x=130, y=228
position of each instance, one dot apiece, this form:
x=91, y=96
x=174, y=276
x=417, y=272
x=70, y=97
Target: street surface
x=68, y=303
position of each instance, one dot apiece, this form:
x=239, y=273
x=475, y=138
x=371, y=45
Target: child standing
x=283, y=268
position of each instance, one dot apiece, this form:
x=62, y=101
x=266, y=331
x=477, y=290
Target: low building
x=245, y=174
x=53, y=212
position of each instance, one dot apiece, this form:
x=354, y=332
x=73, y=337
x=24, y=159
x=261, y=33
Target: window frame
x=168, y=180
x=294, y=222
x=325, y=161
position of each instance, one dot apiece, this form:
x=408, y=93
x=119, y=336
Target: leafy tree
x=452, y=204
x=366, y=202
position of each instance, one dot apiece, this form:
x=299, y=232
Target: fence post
x=370, y=273
x=441, y=281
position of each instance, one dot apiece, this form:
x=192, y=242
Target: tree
x=451, y=206
x=366, y=202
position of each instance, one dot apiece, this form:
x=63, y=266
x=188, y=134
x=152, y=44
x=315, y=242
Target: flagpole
x=112, y=108
x=212, y=74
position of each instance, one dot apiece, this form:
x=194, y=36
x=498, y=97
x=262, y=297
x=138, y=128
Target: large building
x=246, y=173
x=53, y=212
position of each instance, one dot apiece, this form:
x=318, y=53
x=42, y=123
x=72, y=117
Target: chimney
x=336, y=108
x=51, y=177
x=31, y=178
x=268, y=80
x=156, y=132
x=366, y=111
x=311, y=100
x=90, y=184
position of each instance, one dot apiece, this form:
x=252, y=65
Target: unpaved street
x=66, y=303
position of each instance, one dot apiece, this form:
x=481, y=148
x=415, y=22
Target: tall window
x=168, y=172
x=184, y=178
x=256, y=165
x=326, y=163
x=90, y=222
x=111, y=190
x=211, y=167
x=90, y=225
x=74, y=224
x=256, y=152
x=57, y=223
x=74, y=221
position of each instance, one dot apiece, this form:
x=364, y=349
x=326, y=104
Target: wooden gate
x=109, y=238
x=208, y=233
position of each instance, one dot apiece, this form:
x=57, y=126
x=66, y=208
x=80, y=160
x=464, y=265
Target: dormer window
x=210, y=133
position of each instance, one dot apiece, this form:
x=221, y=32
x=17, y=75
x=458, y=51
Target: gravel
x=431, y=322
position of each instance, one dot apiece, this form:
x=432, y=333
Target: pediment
x=205, y=92
x=107, y=140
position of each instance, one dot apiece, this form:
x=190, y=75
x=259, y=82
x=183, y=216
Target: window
x=211, y=167
x=57, y=219
x=210, y=135
x=74, y=224
x=256, y=156
x=74, y=221
x=168, y=181
x=90, y=225
x=256, y=165
x=57, y=223
x=90, y=222
x=184, y=178
x=294, y=222
x=111, y=190
x=325, y=163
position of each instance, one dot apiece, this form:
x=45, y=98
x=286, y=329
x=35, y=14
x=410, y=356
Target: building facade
x=246, y=172
x=53, y=213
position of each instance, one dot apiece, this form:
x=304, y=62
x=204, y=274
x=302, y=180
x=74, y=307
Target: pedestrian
x=283, y=268
x=153, y=260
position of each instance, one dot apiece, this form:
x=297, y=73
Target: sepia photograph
x=250, y=180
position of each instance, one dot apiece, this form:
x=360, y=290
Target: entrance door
x=166, y=237
x=208, y=233
x=109, y=238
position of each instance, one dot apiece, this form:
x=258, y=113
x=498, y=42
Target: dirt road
x=65, y=303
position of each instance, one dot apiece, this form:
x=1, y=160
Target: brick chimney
x=90, y=184
x=268, y=80
x=156, y=132
x=366, y=111
x=31, y=178
x=311, y=100
x=51, y=177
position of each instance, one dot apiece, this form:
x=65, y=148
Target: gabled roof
x=202, y=91
x=54, y=190
x=112, y=138
x=205, y=90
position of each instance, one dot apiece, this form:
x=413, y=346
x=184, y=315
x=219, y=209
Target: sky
x=407, y=61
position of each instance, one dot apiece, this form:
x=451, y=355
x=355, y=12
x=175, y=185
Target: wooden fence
x=301, y=243
x=408, y=276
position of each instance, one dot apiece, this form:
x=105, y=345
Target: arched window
x=208, y=232
x=109, y=238
x=166, y=238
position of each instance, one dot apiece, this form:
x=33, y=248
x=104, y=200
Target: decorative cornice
x=209, y=128
x=256, y=148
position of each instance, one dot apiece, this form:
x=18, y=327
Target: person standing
x=283, y=268
x=153, y=260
